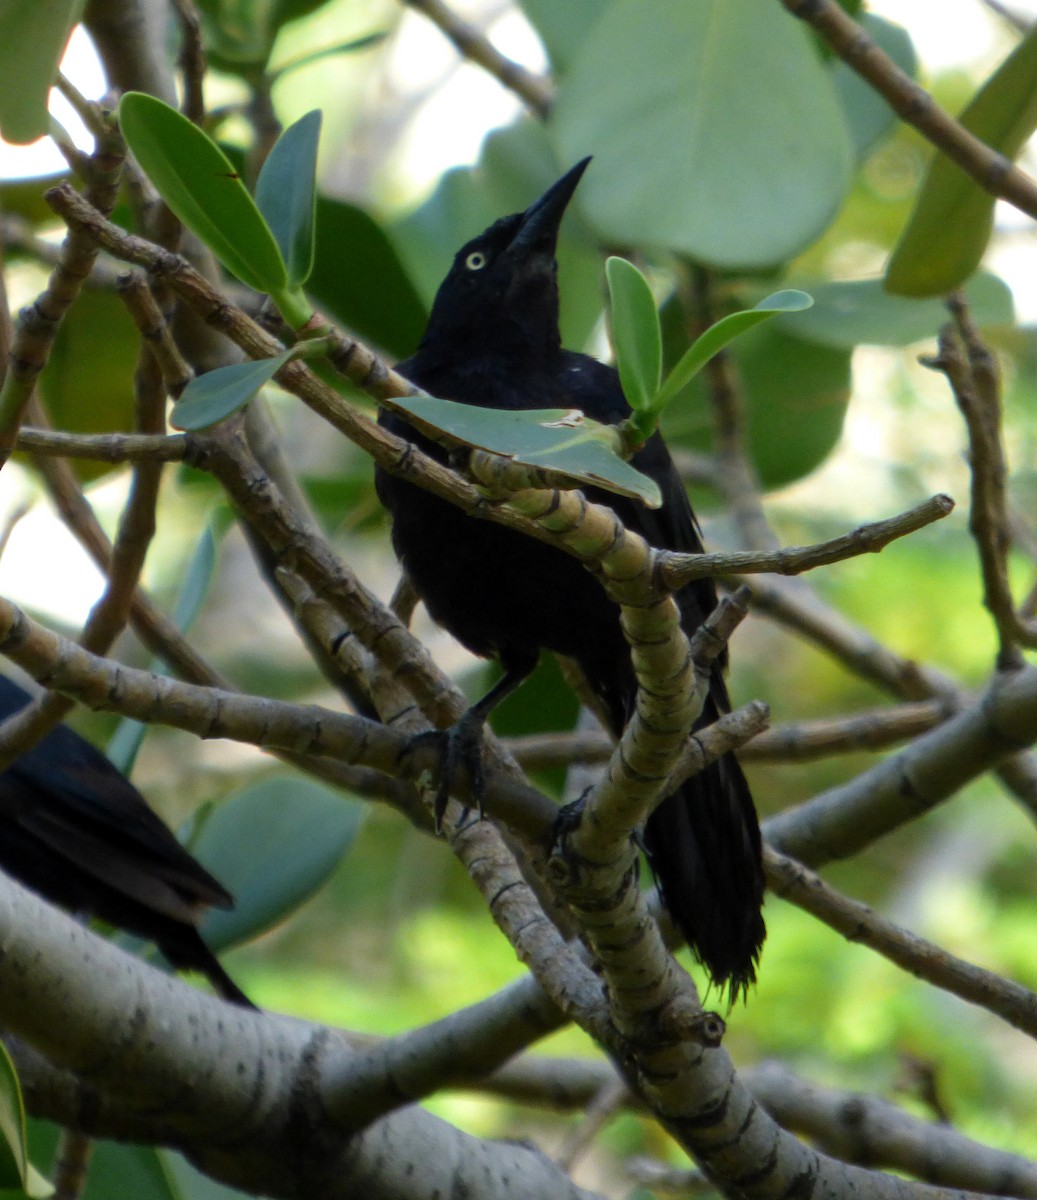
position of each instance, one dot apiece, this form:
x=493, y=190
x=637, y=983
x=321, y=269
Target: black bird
x=493, y=340
x=77, y=832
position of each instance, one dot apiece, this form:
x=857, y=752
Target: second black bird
x=493, y=340
x=76, y=831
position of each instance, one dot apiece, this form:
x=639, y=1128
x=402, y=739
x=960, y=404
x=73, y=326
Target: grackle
x=75, y=830
x=493, y=340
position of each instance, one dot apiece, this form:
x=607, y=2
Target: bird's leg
x=462, y=744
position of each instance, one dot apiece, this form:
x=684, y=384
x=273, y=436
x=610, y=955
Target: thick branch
x=844, y=819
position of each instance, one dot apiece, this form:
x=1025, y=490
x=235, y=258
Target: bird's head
x=502, y=290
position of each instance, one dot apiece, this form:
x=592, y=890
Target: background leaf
x=721, y=334
x=87, y=384
x=563, y=27
x=272, y=846
x=868, y=115
x=286, y=194
x=124, y=744
x=693, y=150
x=854, y=312
x=794, y=415
x=201, y=186
x=948, y=232
x=32, y=41
x=359, y=279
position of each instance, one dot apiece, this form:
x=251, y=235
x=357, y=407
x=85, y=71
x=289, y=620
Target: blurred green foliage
x=840, y=431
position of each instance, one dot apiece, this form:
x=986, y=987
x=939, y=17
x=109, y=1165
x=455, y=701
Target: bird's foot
x=458, y=747
x=569, y=816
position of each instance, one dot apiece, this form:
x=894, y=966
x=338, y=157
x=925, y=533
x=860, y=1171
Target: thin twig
x=800, y=741
x=603, y=1107
x=677, y=569
x=925, y=960
x=110, y=614
x=537, y=93
x=994, y=173
x=974, y=378
x=192, y=59
x=38, y=323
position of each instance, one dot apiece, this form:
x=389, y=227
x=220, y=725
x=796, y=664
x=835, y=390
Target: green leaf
x=352, y=46
x=373, y=295
x=557, y=439
x=796, y=394
x=201, y=186
x=272, y=846
x=868, y=114
x=32, y=40
x=947, y=234
x=286, y=194
x=125, y=742
x=855, y=312
x=240, y=34
x=563, y=27
x=715, y=129
x=15, y=1169
x=719, y=335
x=636, y=336
x=212, y=397
x=87, y=384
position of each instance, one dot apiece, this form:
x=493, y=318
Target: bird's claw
x=459, y=746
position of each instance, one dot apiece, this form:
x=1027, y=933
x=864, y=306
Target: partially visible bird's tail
x=186, y=950
x=703, y=845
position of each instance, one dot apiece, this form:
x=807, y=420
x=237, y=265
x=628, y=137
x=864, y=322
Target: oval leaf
x=719, y=335
x=286, y=194
x=32, y=41
x=88, y=380
x=201, y=186
x=557, y=439
x=850, y=313
x=947, y=234
x=272, y=846
x=868, y=114
x=796, y=394
x=215, y=395
x=374, y=298
x=715, y=129
x=636, y=336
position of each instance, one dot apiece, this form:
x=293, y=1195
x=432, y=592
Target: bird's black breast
x=500, y=592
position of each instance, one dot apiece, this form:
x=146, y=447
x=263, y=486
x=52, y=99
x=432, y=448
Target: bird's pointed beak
x=540, y=222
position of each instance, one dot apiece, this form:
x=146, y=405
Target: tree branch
x=912, y=103
x=537, y=93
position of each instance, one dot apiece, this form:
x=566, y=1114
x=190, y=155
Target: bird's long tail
x=185, y=949
x=703, y=845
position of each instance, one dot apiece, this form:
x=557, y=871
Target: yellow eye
x=475, y=261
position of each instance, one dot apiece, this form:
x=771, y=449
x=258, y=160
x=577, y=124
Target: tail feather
x=703, y=845
x=186, y=950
